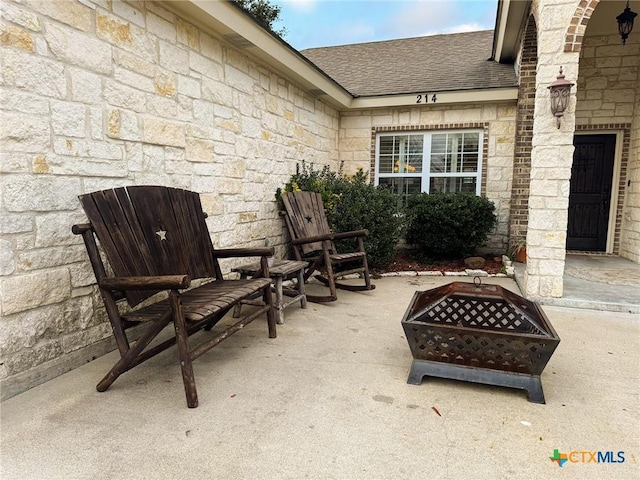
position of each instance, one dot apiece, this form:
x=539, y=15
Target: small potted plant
x=520, y=251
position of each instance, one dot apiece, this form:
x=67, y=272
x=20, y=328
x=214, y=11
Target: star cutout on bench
x=308, y=219
x=162, y=234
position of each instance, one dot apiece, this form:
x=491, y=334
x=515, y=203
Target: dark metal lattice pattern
x=486, y=351
x=479, y=326
x=493, y=315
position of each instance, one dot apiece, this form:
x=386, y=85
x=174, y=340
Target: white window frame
x=426, y=174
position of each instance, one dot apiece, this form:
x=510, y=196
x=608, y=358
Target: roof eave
x=510, y=20
x=239, y=29
x=501, y=94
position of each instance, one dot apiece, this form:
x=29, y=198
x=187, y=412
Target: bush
x=323, y=181
x=449, y=224
x=362, y=205
x=352, y=203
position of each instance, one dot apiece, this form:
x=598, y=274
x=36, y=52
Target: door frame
x=615, y=181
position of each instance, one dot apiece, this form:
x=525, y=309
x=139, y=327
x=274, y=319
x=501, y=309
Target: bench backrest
x=150, y=231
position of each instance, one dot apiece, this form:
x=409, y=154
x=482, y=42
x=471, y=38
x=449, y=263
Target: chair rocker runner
x=156, y=239
x=313, y=241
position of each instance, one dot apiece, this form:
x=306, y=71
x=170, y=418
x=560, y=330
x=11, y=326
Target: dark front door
x=590, y=192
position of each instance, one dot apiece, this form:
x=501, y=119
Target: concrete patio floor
x=596, y=282
x=328, y=399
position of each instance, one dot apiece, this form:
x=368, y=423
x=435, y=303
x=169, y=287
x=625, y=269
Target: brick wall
x=97, y=94
x=630, y=227
x=528, y=59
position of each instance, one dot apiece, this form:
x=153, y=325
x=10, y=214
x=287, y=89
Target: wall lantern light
x=559, y=91
x=625, y=23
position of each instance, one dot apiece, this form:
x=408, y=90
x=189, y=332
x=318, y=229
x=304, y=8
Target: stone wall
x=98, y=94
x=357, y=145
x=551, y=155
x=608, y=80
x=607, y=83
x=607, y=99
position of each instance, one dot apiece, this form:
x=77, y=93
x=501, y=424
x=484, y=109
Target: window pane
x=446, y=149
x=400, y=154
x=403, y=187
x=437, y=163
x=414, y=163
x=438, y=143
x=470, y=162
x=385, y=155
x=386, y=145
x=438, y=153
x=409, y=156
x=385, y=164
x=454, y=152
x=452, y=185
x=455, y=140
x=471, y=141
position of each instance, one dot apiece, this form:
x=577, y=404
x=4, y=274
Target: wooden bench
x=155, y=239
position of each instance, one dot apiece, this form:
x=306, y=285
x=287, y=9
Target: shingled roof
x=415, y=65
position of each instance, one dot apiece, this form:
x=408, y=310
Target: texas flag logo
x=559, y=458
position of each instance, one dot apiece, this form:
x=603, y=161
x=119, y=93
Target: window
x=429, y=162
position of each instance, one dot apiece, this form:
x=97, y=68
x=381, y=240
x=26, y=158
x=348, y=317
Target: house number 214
x=425, y=98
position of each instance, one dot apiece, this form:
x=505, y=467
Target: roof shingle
x=415, y=65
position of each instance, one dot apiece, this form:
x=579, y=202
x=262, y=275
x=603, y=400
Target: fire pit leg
x=536, y=395
x=530, y=383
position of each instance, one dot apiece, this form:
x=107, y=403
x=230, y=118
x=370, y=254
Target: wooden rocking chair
x=156, y=239
x=313, y=241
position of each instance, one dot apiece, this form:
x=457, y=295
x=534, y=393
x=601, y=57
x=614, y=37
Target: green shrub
x=324, y=181
x=362, y=205
x=448, y=224
x=352, y=203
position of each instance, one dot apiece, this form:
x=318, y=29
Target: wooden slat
x=106, y=217
x=120, y=228
x=138, y=236
x=155, y=214
x=190, y=249
x=347, y=257
x=205, y=259
x=206, y=300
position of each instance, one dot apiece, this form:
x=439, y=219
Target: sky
x=322, y=23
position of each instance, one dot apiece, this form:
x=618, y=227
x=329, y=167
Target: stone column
x=551, y=156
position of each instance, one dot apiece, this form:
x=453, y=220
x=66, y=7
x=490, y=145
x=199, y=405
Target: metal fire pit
x=479, y=333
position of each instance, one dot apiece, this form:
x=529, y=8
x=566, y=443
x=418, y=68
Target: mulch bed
x=404, y=262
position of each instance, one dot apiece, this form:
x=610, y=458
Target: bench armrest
x=355, y=233
x=330, y=236
x=81, y=228
x=162, y=282
x=244, y=252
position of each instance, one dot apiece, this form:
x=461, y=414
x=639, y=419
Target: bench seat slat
x=204, y=301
